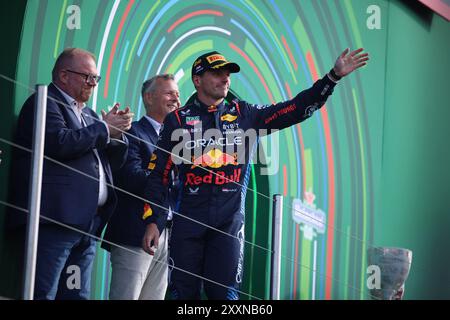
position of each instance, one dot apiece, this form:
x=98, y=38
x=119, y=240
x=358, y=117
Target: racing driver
x=211, y=136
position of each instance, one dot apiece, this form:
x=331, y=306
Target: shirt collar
x=156, y=125
x=71, y=101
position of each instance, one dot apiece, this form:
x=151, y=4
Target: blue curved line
x=241, y=78
x=152, y=25
x=294, y=41
x=263, y=54
x=269, y=33
x=119, y=75
x=249, y=20
x=155, y=53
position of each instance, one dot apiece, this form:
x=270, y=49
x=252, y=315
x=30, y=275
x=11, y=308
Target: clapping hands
x=118, y=120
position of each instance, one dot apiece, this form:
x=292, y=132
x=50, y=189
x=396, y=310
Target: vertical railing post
x=34, y=205
x=277, y=223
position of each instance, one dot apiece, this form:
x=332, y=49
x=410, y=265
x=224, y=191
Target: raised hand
x=349, y=62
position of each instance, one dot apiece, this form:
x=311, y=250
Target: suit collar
x=71, y=101
x=145, y=130
x=155, y=124
x=148, y=129
x=58, y=97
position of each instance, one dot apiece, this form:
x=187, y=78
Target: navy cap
x=213, y=60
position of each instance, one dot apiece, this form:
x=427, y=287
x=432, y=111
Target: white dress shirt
x=77, y=109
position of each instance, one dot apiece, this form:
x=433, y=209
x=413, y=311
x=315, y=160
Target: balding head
x=75, y=72
x=67, y=58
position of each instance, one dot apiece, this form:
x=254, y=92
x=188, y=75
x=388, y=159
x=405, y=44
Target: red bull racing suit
x=215, y=138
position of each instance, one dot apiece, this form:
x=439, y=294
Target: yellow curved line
x=61, y=16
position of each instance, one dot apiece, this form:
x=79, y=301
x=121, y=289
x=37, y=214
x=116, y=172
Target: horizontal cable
x=124, y=248
x=356, y=238
x=141, y=254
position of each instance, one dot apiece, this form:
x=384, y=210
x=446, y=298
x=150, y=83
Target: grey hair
x=150, y=84
x=65, y=58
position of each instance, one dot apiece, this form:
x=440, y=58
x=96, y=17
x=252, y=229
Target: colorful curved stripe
x=250, y=62
x=280, y=46
x=114, y=46
x=186, y=35
x=61, y=16
x=331, y=185
x=291, y=57
x=141, y=28
x=103, y=46
x=193, y=14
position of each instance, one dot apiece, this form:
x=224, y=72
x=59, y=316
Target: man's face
x=75, y=84
x=165, y=98
x=213, y=83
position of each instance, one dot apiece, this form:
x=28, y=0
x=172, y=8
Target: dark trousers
x=64, y=263
x=208, y=254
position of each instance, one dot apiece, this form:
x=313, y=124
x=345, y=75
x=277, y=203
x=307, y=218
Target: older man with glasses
x=76, y=190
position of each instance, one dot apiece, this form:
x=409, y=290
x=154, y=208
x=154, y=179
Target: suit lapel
x=149, y=131
x=69, y=115
x=87, y=116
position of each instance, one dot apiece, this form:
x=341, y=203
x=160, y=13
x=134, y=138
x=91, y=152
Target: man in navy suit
x=135, y=273
x=76, y=182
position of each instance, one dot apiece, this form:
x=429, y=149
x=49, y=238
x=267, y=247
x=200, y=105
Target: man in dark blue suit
x=135, y=273
x=76, y=190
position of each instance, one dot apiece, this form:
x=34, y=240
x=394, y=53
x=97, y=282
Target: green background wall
x=375, y=156
x=415, y=189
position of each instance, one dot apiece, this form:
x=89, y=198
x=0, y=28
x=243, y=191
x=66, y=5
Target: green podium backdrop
x=372, y=164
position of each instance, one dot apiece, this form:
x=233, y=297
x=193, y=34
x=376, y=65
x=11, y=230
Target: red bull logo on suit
x=219, y=178
x=215, y=158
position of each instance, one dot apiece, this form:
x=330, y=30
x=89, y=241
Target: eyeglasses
x=89, y=78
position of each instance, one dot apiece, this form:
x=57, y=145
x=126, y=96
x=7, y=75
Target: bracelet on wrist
x=334, y=75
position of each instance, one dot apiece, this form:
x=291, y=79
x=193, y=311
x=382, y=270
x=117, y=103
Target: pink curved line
x=291, y=57
x=113, y=49
x=250, y=62
x=193, y=14
x=331, y=185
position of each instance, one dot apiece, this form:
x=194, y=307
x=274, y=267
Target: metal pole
x=34, y=204
x=277, y=223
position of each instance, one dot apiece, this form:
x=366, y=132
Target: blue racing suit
x=215, y=138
